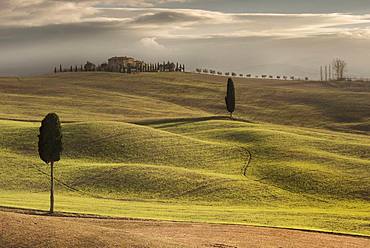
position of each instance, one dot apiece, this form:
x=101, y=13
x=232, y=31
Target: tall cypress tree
x=230, y=97
x=50, y=147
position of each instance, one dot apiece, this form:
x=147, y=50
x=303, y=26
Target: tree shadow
x=178, y=121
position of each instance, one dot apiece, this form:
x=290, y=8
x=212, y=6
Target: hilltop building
x=117, y=64
x=128, y=65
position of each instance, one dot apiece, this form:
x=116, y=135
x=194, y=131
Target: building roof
x=123, y=58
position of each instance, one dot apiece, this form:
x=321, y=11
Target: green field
x=159, y=146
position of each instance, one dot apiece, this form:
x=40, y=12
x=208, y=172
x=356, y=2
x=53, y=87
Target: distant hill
x=113, y=96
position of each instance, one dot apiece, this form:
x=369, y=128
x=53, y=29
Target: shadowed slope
x=197, y=160
x=298, y=160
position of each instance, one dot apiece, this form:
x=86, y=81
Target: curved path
x=35, y=229
x=247, y=161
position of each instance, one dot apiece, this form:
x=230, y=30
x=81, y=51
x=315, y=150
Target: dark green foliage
x=50, y=139
x=230, y=97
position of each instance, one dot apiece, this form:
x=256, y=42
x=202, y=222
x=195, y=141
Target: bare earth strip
x=30, y=230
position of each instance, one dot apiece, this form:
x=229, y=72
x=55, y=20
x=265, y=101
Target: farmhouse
x=117, y=64
x=126, y=64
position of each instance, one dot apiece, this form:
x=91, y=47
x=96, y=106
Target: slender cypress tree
x=50, y=147
x=230, y=97
x=55, y=69
x=60, y=68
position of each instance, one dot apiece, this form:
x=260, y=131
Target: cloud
x=46, y=12
x=59, y=31
x=202, y=24
x=151, y=43
x=41, y=12
x=177, y=23
x=168, y=17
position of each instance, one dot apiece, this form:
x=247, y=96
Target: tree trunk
x=52, y=187
x=231, y=115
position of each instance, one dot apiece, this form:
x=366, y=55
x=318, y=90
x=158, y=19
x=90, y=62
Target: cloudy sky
x=285, y=37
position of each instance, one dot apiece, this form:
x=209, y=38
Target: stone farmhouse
x=117, y=64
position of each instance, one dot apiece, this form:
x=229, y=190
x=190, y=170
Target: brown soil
x=32, y=229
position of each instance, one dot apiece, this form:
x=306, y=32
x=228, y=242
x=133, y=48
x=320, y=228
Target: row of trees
x=233, y=74
x=128, y=68
x=333, y=71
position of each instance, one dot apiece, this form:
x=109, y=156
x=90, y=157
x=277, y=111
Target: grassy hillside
x=109, y=96
x=178, y=160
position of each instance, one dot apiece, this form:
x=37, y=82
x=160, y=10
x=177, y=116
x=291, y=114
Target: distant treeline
x=124, y=67
x=233, y=74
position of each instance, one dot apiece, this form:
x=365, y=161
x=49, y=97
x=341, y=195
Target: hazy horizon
x=259, y=37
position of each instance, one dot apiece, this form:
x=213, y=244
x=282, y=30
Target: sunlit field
x=159, y=146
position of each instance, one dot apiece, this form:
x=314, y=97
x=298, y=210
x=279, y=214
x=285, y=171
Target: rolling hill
x=112, y=96
x=158, y=146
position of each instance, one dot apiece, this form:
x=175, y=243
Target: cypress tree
x=60, y=68
x=55, y=69
x=50, y=147
x=230, y=97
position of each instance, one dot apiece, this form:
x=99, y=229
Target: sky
x=274, y=37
